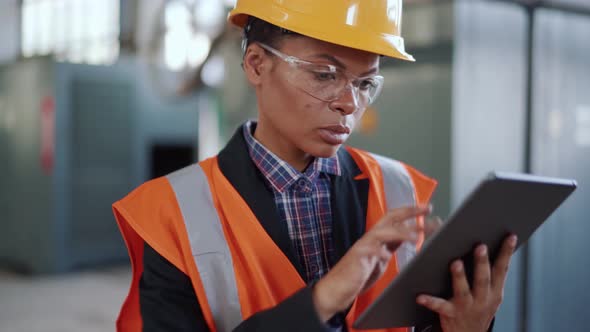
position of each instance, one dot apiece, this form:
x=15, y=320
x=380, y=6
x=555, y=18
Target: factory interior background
x=99, y=96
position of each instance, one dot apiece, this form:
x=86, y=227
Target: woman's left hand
x=472, y=309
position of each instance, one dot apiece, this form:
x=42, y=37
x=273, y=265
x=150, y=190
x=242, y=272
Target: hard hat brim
x=378, y=43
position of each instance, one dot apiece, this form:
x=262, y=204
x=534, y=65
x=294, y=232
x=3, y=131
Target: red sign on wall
x=47, y=134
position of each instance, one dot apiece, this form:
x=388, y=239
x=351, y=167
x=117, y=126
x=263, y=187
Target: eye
x=324, y=76
x=368, y=84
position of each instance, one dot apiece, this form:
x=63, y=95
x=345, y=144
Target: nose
x=348, y=101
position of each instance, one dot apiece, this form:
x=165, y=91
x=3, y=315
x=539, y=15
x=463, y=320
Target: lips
x=338, y=129
x=334, y=135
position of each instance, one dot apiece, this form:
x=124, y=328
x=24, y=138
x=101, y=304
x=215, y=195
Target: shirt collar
x=278, y=172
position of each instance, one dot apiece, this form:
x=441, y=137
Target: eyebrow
x=339, y=63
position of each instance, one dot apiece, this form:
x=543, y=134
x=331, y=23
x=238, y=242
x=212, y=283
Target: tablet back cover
x=503, y=203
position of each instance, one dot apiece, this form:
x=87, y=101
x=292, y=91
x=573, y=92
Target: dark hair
x=257, y=30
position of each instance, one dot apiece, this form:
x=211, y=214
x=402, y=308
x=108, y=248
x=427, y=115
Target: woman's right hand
x=365, y=261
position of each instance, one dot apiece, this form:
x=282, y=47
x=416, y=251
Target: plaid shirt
x=303, y=201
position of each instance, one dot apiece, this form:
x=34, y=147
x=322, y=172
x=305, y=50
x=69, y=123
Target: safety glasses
x=328, y=82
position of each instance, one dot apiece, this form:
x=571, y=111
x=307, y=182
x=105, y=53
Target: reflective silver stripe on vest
x=208, y=245
x=399, y=191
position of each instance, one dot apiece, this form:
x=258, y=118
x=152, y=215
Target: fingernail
x=421, y=299
x=512, y=240
x=483, y=250
x=457, y=266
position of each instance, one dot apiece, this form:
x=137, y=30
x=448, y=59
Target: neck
x=282, y=148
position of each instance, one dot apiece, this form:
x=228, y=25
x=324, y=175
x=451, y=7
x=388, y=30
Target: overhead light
x=213, y=71
x=175, y=48
x=176, y=15
x=209, y=14
x=198, y=49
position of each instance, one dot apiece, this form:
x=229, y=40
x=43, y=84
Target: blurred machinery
x=75, y=138
x=520, y=103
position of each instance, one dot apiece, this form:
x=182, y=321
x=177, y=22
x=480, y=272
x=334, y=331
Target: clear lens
x=326, y=82
x=319, y=81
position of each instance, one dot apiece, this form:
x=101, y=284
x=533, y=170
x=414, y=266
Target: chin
x=324, y=150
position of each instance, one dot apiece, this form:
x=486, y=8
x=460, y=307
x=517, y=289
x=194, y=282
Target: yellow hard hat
x=369, y=25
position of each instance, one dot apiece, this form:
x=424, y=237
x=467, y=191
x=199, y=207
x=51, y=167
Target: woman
x=286, y=229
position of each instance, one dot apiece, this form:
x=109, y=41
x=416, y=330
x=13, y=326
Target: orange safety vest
x=197, y=220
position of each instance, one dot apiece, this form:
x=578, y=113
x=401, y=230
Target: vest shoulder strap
x=208, y=244
x=399, y=192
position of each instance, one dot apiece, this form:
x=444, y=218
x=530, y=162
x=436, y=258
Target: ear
x=254, y=63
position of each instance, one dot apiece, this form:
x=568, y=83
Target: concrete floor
x=81, y=301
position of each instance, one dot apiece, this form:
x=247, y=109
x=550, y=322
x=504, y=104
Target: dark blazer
x=167, y=298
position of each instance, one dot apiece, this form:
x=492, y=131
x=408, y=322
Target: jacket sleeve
x=167, y=299
x=168, y=303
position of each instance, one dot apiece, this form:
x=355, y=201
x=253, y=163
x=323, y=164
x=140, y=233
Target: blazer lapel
x=237, y=166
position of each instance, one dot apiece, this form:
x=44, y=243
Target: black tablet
x=503, y=203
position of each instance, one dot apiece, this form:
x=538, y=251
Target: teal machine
x=110, y=132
